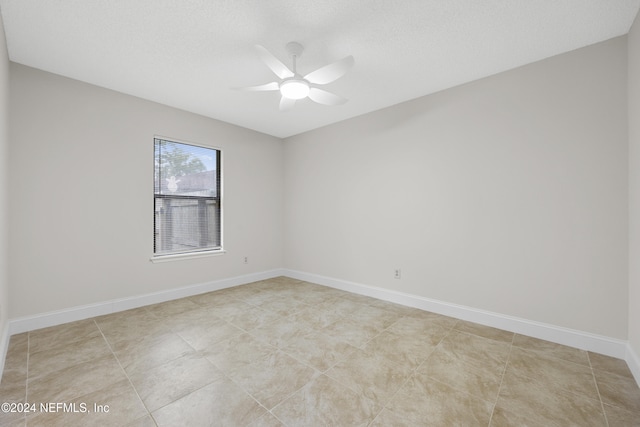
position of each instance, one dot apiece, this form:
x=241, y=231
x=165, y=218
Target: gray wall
x=81, y=179
x=4, y=188
x=508, y=194
x=634, y=186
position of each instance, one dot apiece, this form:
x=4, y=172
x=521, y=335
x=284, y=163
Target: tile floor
x=284, y=352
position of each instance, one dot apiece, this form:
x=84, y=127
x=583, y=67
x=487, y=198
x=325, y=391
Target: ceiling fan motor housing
x=294, y=49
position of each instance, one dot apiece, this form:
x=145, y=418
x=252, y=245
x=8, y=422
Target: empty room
x=320, y=213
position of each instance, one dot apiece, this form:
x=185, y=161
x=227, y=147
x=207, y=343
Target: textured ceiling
x=191, y=53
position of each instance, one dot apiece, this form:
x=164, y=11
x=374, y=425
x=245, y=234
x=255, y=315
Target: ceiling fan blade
x=326, y=98
x=286, y=103
x=274, y=64
x=267, y=86
x=330, y=72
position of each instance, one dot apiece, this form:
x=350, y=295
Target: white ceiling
x=191, y=53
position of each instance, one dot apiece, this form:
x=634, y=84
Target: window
x=186, y=198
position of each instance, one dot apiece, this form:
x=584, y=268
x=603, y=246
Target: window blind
x=186, y=198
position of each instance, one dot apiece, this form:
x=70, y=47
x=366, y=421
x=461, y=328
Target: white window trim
x=190, y=255
x=206, y=253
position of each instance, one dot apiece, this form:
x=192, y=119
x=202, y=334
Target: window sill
x=193, y=255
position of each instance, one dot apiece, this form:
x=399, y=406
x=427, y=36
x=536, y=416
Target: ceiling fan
x=293, y=86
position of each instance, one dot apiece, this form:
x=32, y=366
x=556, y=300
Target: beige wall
x=4, y=163
x=508, y=194
x=81, y=179
x=634, y=186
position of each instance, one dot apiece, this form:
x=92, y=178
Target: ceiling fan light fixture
x=294, y=89
x=293, y=86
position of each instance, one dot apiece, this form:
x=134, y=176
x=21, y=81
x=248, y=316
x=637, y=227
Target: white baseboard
x=52, y=318
x=633, y=361
x=4, y=345
x=578, y=339
x=583, y=340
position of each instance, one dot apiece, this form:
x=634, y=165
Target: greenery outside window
x=187, y=211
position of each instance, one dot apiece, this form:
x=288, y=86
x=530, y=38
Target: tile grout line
x=206, y=385
x=504, y=371
x=362, y=348
x=413, y=371
x=315, y=377
x=503, y=386
x=275, y=349
x=26, y=385
x=195, y=351
x=123, y=371
x=225, y=374
x=270, y=411
x=561, y=390
x=593, y=374
x=320, y=373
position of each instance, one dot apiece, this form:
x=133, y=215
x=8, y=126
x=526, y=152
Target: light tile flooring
x=285, y=352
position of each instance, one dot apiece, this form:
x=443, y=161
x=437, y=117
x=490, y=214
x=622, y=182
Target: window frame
x=197, y=253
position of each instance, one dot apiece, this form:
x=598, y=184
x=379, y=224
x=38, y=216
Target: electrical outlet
x=246, y=260
x=396, y=274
